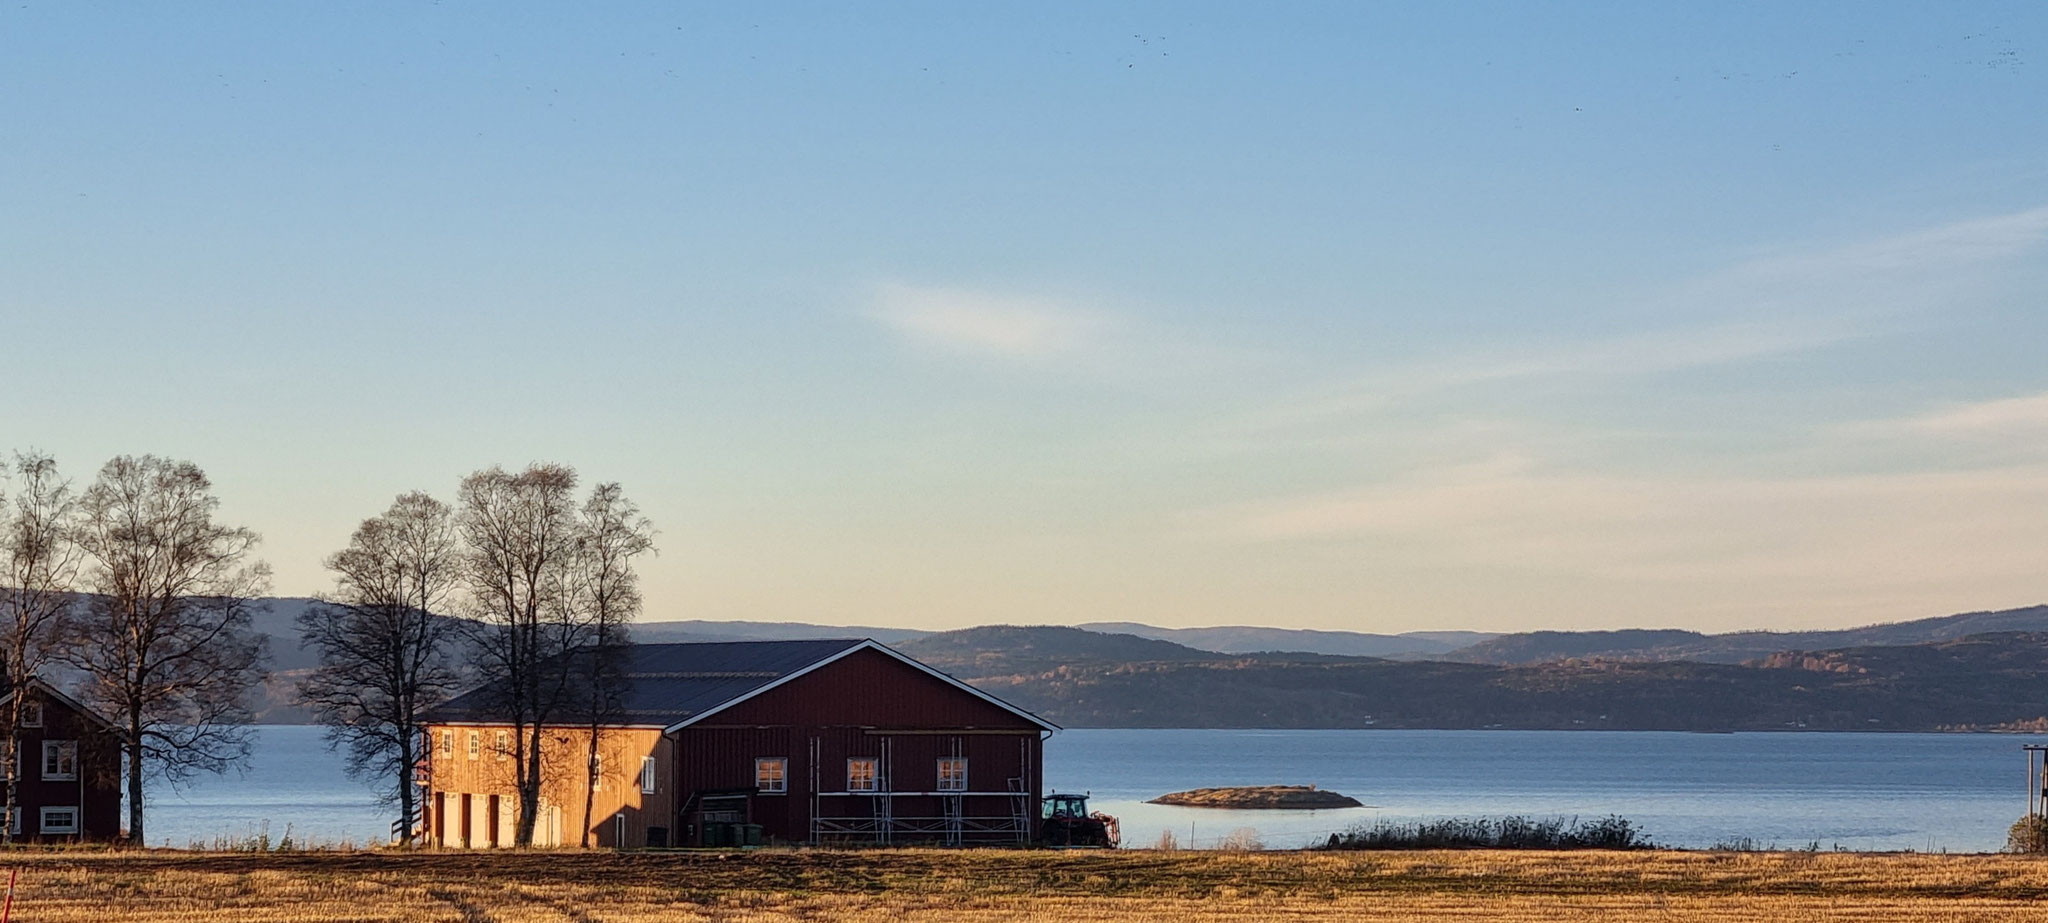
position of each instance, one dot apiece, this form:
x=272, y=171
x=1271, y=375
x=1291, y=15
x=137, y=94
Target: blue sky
x=1338, y=316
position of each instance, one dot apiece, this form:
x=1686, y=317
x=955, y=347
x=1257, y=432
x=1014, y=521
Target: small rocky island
x=1290, y=797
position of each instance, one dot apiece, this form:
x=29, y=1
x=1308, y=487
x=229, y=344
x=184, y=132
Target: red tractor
x=1064, y=822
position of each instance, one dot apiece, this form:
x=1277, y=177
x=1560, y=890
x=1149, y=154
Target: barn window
x=860, y=775
x=597, y=772
x=476, y=744
x=771, y=774
x=503, y=745
x=60, y=760
x=953, y=774
x=59, y=820
x=647, y=775
x=31, y=714
x=448, y=744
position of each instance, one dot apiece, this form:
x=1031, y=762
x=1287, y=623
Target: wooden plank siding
x=862, y=702
x=865, y=705
x=93, y=787
x=621, y=813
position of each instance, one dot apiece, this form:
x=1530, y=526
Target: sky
x=1376, y=317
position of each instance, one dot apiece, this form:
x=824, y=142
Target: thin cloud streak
x=1766, y=307
x=985, y=324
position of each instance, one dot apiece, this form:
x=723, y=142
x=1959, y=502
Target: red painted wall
x=96, y=791
x=859, y=706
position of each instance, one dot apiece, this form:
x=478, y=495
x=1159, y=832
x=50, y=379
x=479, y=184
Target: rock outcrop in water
x=1291, y=797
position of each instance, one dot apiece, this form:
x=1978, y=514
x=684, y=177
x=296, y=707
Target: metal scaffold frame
x=881, y=824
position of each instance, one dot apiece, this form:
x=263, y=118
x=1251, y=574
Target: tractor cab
x=1064, y=821
x=1064, y=807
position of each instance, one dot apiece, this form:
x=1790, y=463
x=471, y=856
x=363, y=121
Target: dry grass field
x=913, y=886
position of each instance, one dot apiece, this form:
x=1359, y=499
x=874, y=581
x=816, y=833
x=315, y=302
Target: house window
x=502, y=745
x=31, y=714
x=59, y=820
x=476, y=744
x=771, y=774
x=448, y=744
x=647, y=775
x=953, y=774
x=14, y=826
x=60, y=760
x=860, y=775
x=597, y=772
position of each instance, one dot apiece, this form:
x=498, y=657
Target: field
x=913, y=886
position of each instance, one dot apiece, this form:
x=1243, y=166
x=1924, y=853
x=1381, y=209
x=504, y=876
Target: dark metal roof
x=668, y=683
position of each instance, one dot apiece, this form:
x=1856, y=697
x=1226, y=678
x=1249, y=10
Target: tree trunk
x=407, y=796
x=590, y=791
x=13, y=787
x=529, y=792
x=134, y=779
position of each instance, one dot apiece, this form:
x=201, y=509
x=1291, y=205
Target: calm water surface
x=1954, y=792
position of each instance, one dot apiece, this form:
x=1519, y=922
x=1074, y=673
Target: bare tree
x=521, y=535
x=386, y=650
x=606, y=590
x=38, y=577
x=164, y=641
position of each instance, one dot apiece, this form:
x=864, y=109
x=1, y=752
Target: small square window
x=59, y=820
x=861, y=775
x=31, y=714
x=647, y=775
x=60, y=760
x=953, y=774
x=771, y=774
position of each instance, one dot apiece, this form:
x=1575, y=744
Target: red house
x=68, y=770
x=842, y=741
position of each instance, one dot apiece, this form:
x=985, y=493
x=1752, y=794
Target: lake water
x=1953, y=792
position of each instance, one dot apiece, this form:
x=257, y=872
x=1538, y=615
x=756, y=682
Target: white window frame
x=476, y=745
x=447, y=743
x=31, y=714
x=776, y=786
x=597, y=771
x=43, y=824
x=502, y=745
x=60, y=749
x=647, y=775
x=874, y=774
x=959, y=782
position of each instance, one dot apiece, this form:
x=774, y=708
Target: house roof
x=68, y=702
x=675, y=685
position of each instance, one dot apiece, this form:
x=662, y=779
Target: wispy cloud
x=1782, y=304
x=1994, y=419
x=1061, y=336
x=986, y=324
x=1922, y=529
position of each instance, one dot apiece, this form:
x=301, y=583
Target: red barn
x=69, y=770
x=841, y=741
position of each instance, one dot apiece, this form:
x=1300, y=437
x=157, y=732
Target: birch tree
x=164, y=641
x=38, y=577
x=606, y=592
x=521, y=535
x=386, y=647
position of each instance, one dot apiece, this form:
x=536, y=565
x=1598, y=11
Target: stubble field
x=912, y=886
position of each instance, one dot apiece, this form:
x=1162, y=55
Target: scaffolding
x=2037, y=779
x=883, y=824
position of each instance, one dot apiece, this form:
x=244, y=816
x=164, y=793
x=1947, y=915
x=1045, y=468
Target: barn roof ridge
x=683, y=682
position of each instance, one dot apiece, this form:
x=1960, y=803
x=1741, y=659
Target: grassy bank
x=929, y=885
